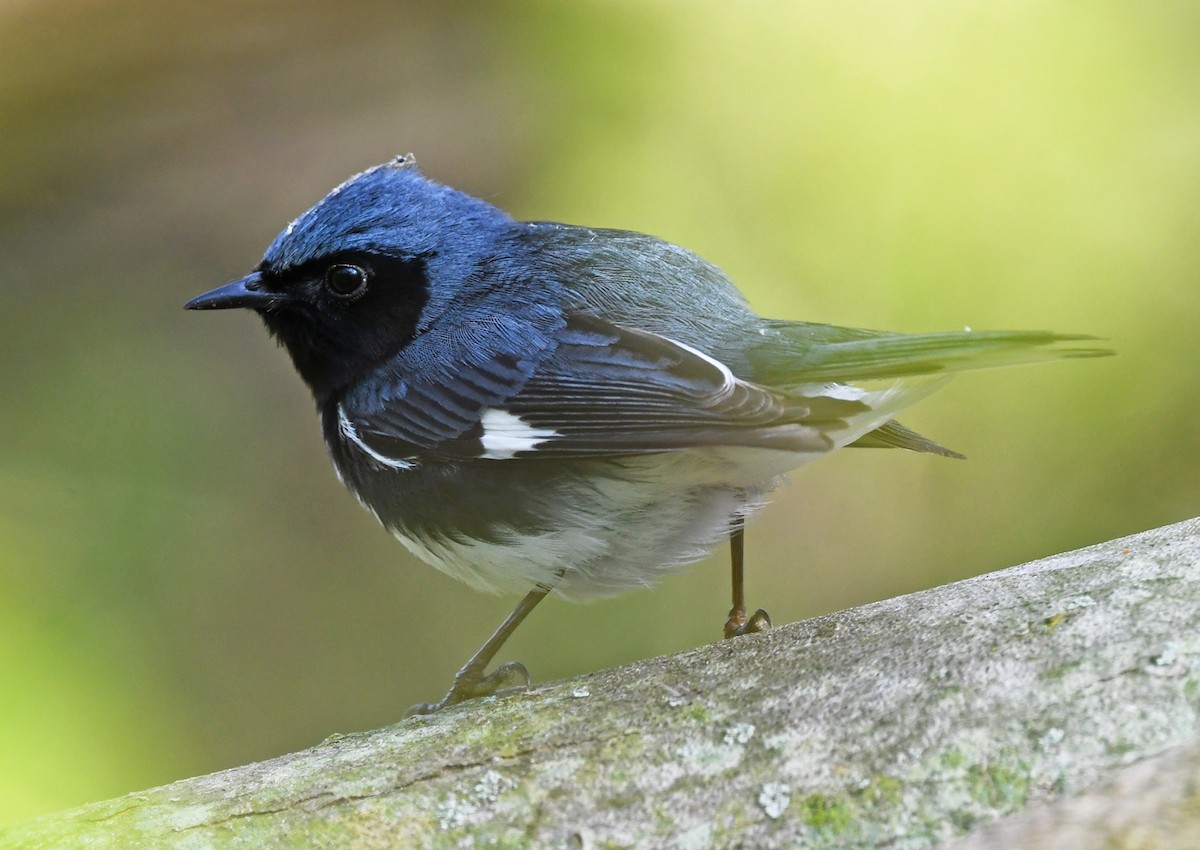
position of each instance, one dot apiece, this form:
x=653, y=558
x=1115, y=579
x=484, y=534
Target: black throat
x=334, y=343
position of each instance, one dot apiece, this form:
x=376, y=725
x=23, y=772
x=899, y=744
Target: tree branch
x=1059, y=696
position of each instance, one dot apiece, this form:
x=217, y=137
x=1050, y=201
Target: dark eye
x=345, y=280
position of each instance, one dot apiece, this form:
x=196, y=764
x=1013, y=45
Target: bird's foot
x=472, y=682
x=739, y=624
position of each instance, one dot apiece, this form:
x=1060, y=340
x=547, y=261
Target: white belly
x=647, y=517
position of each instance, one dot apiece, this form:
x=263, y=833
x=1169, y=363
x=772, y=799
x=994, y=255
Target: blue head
x=391, y=208
x=357, y=276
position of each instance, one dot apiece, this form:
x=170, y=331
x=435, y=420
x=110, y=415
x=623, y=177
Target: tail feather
x=796, y=353
x=893, y=435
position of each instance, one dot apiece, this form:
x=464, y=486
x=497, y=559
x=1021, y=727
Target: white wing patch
x=505, y=434
x=351, y=433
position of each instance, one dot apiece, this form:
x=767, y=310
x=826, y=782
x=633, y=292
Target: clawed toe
x=511, y=677
x=738, y=624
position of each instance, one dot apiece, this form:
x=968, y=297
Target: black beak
x=241, y=293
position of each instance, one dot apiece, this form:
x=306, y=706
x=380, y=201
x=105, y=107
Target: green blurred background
x=183, y=584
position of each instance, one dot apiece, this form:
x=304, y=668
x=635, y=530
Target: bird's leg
x=738, y=624
x=472, y=680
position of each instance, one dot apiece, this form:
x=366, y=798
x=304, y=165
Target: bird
x=542, y=408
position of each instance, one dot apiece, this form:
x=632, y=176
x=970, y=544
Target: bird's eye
x=345, y=280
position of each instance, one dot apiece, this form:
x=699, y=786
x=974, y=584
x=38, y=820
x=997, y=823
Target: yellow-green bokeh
x=184, y=586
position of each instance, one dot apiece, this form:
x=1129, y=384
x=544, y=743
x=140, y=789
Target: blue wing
x=584, y=388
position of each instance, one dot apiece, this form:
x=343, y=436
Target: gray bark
x=1052, y=704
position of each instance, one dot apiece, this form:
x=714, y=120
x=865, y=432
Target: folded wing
x=599, y=389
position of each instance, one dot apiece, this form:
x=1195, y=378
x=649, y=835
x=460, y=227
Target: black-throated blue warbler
x=541, y=408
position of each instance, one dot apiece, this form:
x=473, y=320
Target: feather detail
x=893, y=435
x=797, y=353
